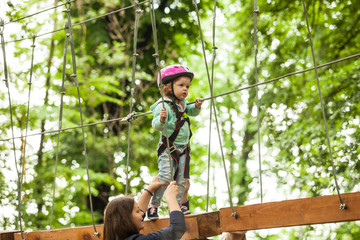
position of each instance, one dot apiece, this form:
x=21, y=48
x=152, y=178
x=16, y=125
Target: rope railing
x=135, y=116
x=211, y=108
x=161, y=87
x=342, y=204
x=234, y=214
x=132, y=115
x=256, y=12
x=19, y=173
x=133, y=70
x=79, y=23
x=74, y=76
x=36, y=13
x=66, y=42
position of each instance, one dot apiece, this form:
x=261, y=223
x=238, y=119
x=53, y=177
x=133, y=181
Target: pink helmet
x=172, y=72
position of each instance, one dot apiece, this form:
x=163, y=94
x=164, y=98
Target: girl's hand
x=198, y=103
x=163, y=115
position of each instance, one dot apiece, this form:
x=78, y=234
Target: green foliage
x=293, y=139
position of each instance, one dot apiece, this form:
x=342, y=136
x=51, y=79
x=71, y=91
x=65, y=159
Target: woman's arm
x=170, y=194
x=147, y=194
x=177, y=226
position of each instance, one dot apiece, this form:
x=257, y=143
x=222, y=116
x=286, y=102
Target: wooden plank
x=307, y=211
x=209, y=224
x=258, y=216
x=192, y=231
x=78, y=233
x=7, y=235
x=86, y=233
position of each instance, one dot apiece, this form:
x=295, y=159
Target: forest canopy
x=299, y=129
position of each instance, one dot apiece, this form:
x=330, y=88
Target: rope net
x=68, y=40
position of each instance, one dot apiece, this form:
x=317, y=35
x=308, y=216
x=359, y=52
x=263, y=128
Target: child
x=176, y=82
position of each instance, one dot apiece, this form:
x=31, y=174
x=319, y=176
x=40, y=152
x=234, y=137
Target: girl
x=173, y=118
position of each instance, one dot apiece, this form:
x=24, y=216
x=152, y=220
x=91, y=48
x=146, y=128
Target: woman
x=123, y=218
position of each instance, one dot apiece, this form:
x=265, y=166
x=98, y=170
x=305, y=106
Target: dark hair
x=167, y=90
x=118, y=221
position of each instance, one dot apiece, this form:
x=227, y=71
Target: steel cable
x=234, y=214
x=135, y=54
x=342, y=205
x=125, y=119
x=256, y=12
x=6, y=81
x=74, y=75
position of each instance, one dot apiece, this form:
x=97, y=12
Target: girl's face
x=137, y=216
x=181, y=87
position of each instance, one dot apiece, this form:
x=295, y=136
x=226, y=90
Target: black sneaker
x=152, y=213
x=185, y=208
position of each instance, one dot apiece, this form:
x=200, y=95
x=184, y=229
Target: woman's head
x=122, y=218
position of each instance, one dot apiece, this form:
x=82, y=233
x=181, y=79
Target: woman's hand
x=155, y=184
x=170, y=194
x=172, y=190
x=198, y=103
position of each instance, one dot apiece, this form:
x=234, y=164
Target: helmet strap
x=173, y=93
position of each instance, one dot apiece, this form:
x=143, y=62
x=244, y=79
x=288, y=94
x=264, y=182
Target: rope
x=157, y=62
x=59, y=123
x=211, y=108
x=31, y=15
x=74, y=75
x=19, y=183
x=256, y=12
x=79, y=23
x=133, y=116
x=27, y=118
x=135, y=54
x=234, y=214
x=342, y=205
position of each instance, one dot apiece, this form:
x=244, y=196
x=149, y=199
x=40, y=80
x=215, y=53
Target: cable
x=342, y=205
x=126, y=119
x=74, y=75
x=256, y=12
x=135, y=54
x=31, y=15
x=6, y=80
x=59, y=123
x=211, y=108
x=234, y=214
x=161, y=87
x=79, y=23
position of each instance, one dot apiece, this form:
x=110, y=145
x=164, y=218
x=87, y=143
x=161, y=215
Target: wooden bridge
x=306, y=211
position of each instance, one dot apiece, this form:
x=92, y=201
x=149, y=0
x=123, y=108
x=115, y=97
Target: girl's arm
x=158, y=122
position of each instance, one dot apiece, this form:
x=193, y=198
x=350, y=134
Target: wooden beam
x=287, y=213
x=307, y=211
x=78, y=233
x=197, y=226
x=7, y=235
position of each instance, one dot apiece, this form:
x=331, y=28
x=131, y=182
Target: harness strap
x=175, y=155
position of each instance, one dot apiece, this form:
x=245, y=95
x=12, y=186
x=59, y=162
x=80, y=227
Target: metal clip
x=130, y=117
x=172, y=149
x=343, y=206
